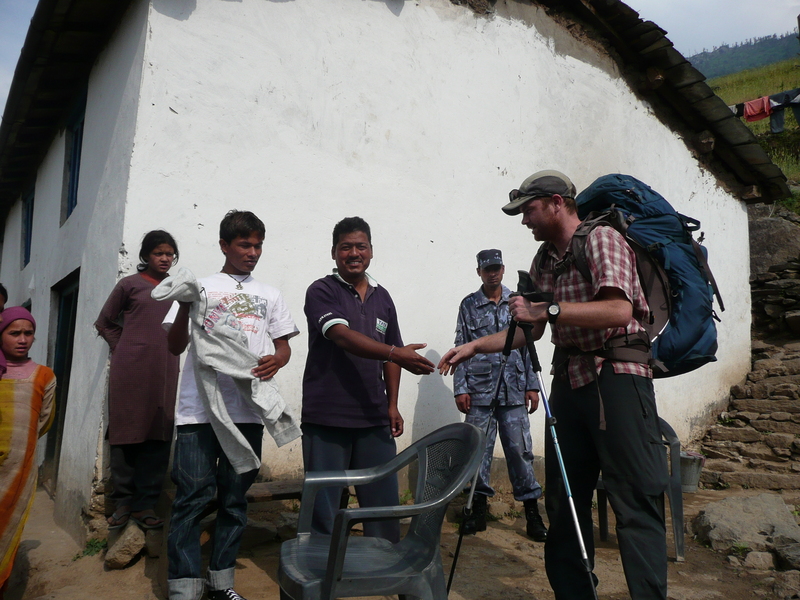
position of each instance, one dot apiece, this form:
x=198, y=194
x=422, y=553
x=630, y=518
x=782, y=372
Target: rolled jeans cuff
x=220, y=580
x=187, y=588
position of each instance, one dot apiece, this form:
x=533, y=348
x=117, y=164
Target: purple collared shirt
x=339, y=388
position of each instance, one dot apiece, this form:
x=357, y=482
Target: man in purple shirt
x=352, y=376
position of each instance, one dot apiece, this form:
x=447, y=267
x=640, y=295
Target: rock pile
x=776, y=298
x=756, y=442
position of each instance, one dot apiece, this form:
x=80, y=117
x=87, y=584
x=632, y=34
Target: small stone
x=740, y=391
x=762, y=561
x=789, y=555
x=745, y=434
x=768, y=364
x=780, y=416
x=746, y=416
x=776, y=426
x=773, y=310
x=779, y=440
x=759, y=346
x=125, y=547
x=792, y=366
x=499, y=509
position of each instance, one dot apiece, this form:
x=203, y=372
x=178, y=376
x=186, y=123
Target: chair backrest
x=448, y=458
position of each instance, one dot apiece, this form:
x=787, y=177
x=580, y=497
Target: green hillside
x=782, y=148
x=747, y=55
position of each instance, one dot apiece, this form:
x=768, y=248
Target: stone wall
x=756, y=442
x=776, y=299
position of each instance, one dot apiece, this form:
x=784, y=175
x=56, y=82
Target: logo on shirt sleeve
x=381, y=325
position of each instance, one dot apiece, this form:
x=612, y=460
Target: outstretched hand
x=407, y=358
x=454, y=357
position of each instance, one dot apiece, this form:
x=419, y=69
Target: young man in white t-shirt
x=200, y=467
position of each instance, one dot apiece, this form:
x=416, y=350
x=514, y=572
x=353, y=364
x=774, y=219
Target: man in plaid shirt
x=605, y=409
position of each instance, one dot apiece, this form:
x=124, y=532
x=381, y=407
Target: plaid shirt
x=612, y=264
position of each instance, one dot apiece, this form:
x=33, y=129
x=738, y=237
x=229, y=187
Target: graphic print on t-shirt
x=242, y=312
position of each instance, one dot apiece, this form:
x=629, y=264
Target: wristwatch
x=553, y=311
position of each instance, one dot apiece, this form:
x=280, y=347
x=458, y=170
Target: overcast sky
x=692, y=25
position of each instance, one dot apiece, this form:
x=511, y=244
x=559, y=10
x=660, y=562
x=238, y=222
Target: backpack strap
x=626, y=348
x=692, y=225
x=701, y=259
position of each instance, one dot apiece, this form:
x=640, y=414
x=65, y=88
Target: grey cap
x=542, y=184
x=486, y=258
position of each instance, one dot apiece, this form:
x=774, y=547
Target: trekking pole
x=526, y=288
x=467, y=511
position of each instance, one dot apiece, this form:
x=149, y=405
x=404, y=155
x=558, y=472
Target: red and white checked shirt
x=612, y=264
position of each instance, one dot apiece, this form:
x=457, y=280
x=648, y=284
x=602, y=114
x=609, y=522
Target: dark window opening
x=27, y=227
x=72, y=156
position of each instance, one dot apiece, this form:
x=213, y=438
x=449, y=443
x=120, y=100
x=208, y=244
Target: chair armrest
x=317, y=480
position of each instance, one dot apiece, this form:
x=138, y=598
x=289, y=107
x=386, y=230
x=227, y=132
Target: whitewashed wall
x=419, y=117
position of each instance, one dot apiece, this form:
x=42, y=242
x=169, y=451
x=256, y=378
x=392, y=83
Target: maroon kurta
x=144, y=374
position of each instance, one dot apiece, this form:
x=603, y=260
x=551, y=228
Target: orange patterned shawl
x=26, y=413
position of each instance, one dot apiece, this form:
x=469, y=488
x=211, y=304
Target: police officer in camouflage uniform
x=482, y=313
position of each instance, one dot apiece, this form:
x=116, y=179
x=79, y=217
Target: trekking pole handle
x=512, y=328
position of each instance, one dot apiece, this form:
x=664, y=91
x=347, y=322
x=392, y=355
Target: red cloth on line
x=755, y=110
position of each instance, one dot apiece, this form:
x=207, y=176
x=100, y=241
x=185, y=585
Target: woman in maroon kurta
x=142, y=385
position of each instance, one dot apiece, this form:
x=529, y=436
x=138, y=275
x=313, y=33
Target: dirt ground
x=499, y=563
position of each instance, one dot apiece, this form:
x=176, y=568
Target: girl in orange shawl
x=27, y=393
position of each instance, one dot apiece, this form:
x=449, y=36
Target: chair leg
x=674, y=490
x=602, y=513
x=675, y=493
x=345, y=498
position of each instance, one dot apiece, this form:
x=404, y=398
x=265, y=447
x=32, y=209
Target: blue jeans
x=200, y=471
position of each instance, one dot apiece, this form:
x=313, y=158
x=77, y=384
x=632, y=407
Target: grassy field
x=784, y=148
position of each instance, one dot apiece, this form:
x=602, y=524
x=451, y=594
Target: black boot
x=476, y=521
x=535, y=528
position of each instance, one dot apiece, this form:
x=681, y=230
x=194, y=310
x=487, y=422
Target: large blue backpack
x=672, y=267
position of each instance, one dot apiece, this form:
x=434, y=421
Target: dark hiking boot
x=535, y=528
x=477, y=520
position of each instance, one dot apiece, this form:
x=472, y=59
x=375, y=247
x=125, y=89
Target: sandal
x=119, y=519
x=148, y=520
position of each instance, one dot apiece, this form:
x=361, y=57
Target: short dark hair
x=240, y=223
x=151, y=241
x=3, y=292
x=350, y=225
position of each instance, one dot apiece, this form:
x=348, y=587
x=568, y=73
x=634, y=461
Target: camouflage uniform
x=478, y=317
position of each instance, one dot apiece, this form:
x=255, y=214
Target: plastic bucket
x=691, y=465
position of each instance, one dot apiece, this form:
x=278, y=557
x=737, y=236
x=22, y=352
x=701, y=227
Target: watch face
x=553, y=309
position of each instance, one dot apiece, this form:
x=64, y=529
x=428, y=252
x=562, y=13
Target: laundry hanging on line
x=770, y=106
